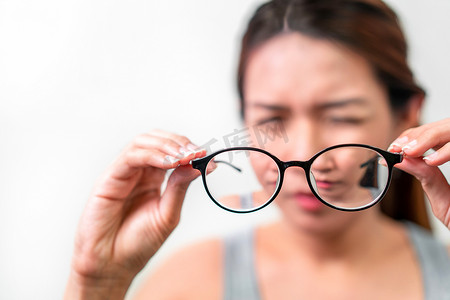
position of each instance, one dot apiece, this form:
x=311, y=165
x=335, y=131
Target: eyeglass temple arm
x=229, y=164
x=399, y=159
x=365, y=164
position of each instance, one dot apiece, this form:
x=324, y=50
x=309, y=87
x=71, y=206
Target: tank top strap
x=246, y=201
x=240, y=280
x=434, y=262
x=239, y=267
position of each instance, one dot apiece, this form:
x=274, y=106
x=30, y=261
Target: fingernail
x=401, y=140
x=211, y=167
x=192, y=147
x=398, y=143
x=184, y=151
x=198, y=149
x=382, y=162
x=195, y=149
x=171, y=160
x=173, y=152
x=394, y=144
x=188, y=153
x=409, y=146
x=432, y=156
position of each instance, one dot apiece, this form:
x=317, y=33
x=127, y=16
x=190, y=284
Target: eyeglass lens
x=349, y=177
x=239, y=183
x=346, y=177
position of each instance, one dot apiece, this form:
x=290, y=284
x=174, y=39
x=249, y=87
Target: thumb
x=173, y=196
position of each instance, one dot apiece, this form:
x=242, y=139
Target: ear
x=410, y=116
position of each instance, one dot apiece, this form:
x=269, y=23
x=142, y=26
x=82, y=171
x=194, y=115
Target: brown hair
x=368, y=27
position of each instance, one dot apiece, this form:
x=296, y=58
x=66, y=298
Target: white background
x=79, y=79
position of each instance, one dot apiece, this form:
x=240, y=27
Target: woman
x=329, y=72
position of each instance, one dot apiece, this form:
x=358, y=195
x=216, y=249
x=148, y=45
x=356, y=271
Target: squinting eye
x=354, y=121
x=269, y=120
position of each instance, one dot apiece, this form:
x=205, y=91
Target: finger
x=184, y=142
x=122, y=176
x=416, y=141
x=434, y=183
x=440, y=157
x=180, y=139
x=173, y=196
x=134, y=159
x=150, y=181
x=176, y=188
x=141, y=158
x=434, y=136
x=169, y=146
x=161, y=143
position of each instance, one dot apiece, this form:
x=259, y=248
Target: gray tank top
x=241, y=282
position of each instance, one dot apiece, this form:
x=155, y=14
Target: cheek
x=342, y=160
x=257, y=166
x=266, y=170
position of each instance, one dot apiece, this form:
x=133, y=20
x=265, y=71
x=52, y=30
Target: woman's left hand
x=414, y=143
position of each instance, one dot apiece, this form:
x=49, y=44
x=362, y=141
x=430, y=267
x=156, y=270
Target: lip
x=308, y=201
x=324, y=184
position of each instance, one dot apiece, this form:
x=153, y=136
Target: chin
x=318, y=221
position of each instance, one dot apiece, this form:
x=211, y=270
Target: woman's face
x=307, y=94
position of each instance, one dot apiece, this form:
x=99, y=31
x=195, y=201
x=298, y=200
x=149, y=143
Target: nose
x=304, y=140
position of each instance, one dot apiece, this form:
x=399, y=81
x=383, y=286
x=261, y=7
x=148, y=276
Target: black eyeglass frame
x=391, y=159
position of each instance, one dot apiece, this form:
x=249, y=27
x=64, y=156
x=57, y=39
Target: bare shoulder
x=193, y=272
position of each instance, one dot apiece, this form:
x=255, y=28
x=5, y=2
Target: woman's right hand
x=128, y=216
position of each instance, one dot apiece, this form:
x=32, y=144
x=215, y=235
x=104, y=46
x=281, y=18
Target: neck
x=362, y=232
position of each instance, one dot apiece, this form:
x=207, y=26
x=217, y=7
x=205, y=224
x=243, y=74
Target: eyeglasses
x=348, y=177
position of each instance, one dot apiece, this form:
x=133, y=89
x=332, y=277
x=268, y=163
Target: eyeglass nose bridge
x=305, y=165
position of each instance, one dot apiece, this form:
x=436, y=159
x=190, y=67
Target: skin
x=293, y=79
x=323, y=95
